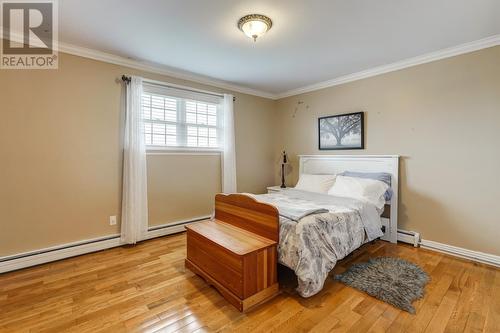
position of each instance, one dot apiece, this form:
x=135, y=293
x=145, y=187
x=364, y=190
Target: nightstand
x=274, y=189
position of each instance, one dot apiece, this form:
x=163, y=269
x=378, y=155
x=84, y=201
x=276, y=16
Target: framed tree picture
x=343, y=131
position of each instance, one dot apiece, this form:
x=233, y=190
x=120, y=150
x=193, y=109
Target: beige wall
x=443, y=118
x=60, y=149
x=181, y=187
x=61, y=156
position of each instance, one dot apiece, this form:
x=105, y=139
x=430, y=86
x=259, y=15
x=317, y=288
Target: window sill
x=182, y=151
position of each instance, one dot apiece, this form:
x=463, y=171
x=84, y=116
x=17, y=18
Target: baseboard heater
x=42, y=256
x=174, y=224
x=58, y=248
x=37, y=257
x=410, y=237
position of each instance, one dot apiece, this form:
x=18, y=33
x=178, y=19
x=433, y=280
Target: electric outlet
x=112, y=220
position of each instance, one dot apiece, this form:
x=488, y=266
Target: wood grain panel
x=216, y=264
x=272, y=262
x=228, y=258
x=251, y=276
x=225, y=292
x=260, y=270
x=230, y=237
x=247, y=213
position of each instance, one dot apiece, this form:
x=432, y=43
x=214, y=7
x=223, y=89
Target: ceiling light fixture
x=255, y=25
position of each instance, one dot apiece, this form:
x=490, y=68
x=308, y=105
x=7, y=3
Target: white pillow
x=370, y=190
x=315, y=183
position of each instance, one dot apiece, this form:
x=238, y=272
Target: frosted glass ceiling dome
x=255, y=25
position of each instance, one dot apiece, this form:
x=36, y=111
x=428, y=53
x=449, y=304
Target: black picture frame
x=361, y=122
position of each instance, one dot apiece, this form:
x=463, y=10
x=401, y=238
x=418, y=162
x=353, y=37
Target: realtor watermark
x=29, y=34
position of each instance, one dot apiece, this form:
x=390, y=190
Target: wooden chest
x=240, y=264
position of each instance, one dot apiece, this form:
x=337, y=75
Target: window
x=175, y=118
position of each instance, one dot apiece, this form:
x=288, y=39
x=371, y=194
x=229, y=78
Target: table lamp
x=284, y=161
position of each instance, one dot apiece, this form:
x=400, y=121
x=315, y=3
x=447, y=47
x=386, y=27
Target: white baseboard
x=481, y=257
x=171, y=228
x=410, y=237
x=42, y=256
x=33, y=258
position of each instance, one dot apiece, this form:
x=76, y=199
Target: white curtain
x=134, y=198
x=229, y=155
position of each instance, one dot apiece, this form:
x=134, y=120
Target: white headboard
x=334, y=164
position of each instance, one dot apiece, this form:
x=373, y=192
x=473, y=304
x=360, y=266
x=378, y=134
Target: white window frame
x=181, y=113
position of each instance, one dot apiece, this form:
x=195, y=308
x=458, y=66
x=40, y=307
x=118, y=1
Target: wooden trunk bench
x=237, y=251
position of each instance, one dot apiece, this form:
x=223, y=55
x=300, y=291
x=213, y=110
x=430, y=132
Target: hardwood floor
x=146, y=288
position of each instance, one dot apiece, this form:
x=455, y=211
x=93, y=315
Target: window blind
x=176, y=118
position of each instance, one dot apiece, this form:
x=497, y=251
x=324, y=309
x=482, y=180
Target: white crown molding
x=174, y=73
x=422, y=59
x=481, y=257
x=147, y=67
x=157, y=69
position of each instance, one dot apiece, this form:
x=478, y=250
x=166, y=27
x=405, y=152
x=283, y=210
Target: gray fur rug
x=392, y=280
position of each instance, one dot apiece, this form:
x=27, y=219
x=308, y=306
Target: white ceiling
x=311, y=41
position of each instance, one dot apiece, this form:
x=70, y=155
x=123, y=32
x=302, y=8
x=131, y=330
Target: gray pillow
x=382, y=176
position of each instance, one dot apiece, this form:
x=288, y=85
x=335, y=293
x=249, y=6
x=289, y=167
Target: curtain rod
x=127, y=80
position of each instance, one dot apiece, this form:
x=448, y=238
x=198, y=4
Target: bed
x=311, y=245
